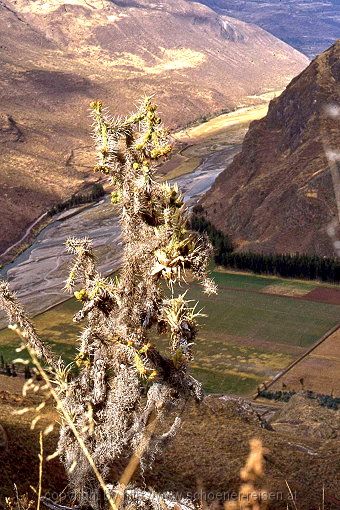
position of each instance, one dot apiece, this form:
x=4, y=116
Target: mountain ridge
x=308, y=25
x=278, y=194
x=58, y=56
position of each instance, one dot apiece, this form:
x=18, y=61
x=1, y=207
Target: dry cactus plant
x=124, y=385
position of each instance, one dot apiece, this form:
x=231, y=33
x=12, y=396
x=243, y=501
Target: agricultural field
x=319, y=370
x=223, y=134
x=255, y=327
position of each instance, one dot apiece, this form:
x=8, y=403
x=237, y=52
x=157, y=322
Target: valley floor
x=255, y=327
x=38, y=274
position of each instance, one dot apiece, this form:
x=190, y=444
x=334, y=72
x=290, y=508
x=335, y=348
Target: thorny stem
x=16, y=314
x=135, y=459
x=65, y=414
x=125, y=384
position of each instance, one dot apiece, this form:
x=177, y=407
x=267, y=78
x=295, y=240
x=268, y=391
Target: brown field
x=324, y=295
x=319, y=370
x=284, y=290
x=218, y=124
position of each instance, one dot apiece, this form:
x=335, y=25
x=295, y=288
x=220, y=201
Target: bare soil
x=284, y=290
x=319, y=371
x=324, y=295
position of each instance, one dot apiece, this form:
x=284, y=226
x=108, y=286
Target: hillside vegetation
x=206, y=455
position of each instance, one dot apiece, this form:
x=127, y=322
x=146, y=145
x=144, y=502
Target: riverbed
x=39, y=273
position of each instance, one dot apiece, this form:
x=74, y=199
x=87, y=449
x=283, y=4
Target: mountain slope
x=308, y=25
x=56, y=56
x=278, y=195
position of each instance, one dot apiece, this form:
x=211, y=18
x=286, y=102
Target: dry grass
x=213, y=445
x=20, y=461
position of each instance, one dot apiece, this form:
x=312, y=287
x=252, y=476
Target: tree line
x=221, y=242
x=95, y=193
x=311, y=267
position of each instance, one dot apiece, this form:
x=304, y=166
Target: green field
x=247, y=336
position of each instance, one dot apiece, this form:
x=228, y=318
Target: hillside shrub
x=328, y=401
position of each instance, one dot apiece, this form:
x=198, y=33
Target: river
x=39, y=273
